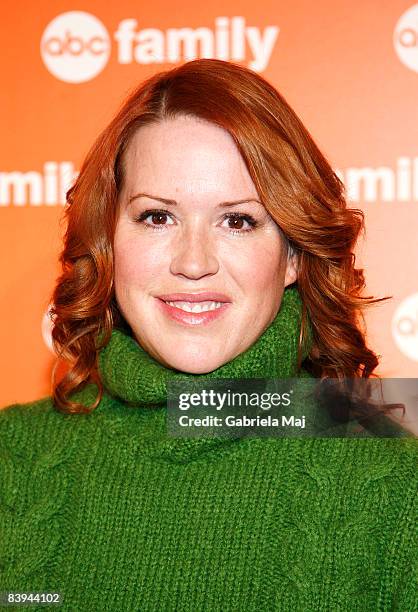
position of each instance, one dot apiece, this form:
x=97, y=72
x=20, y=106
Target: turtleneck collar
x=134, y=379
x=129, y=373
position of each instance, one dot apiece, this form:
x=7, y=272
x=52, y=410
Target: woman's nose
x=194, y=253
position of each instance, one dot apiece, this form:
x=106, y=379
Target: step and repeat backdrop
x=350, y=71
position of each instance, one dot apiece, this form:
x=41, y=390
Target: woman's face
x=191, y=223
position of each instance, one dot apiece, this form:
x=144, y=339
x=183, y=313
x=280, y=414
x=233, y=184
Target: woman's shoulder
x=21, y=410
x=35, y=437
x=41, y=415
x=44, y=405
x=16, y=420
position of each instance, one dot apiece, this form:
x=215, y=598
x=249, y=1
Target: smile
x=196, y=306
x=192, y=313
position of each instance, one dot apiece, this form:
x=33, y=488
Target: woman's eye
x=159, y=218
x=155, y=218
x=240, y=223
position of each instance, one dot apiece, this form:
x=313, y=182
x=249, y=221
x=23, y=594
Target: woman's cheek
x=257, y=259
x=135, y=258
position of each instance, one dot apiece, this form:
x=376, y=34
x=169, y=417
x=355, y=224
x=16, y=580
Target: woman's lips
x=202, y=296
x=191, y=318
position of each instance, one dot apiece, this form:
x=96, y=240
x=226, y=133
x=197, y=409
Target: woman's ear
x=291, y=267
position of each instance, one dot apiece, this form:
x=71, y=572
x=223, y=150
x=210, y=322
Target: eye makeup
x=162, y=214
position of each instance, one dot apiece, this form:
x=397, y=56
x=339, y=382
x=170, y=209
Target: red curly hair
x=295, y=182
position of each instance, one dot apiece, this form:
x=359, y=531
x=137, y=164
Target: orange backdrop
x=349, y=70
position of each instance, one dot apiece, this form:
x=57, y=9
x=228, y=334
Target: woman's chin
x=194, y=365
x=194, y=368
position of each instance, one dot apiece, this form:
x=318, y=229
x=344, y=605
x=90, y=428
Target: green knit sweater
x=108, y=510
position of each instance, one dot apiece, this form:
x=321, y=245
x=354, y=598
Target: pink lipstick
x=194, y=308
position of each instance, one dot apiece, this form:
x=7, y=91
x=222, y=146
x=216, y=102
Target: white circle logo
x=405, y=327
x=75, y=47
x=405, y=38
x=46, y=327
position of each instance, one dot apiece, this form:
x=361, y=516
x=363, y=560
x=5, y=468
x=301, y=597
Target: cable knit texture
x=111, y=512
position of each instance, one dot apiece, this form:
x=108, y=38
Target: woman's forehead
x=186, y=156
x=181, y=138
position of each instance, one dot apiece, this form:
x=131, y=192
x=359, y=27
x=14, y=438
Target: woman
x=207, y=235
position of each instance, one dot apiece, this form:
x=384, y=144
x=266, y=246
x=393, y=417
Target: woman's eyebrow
x=169, y=202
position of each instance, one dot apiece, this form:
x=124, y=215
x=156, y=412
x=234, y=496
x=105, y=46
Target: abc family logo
x=405, y=38
x=76, y=46
x=405, y=326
